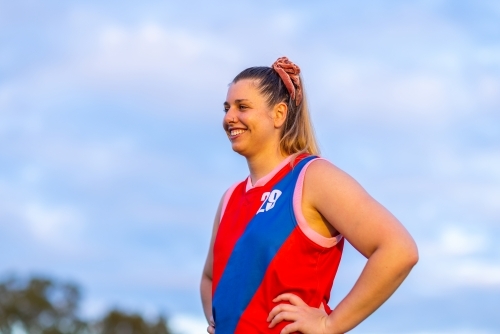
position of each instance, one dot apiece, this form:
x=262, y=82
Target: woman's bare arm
x=206, y=278
x=372, y=230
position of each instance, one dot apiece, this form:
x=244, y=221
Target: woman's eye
x=243, y=107
x=226, y=110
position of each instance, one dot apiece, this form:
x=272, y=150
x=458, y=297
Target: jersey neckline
x=263, y=180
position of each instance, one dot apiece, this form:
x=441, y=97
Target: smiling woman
x=264, y=88
x=278, y=235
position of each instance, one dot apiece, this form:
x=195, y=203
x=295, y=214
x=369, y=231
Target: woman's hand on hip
x=211, y=326
x=305, y=319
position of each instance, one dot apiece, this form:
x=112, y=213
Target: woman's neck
x=261, y=165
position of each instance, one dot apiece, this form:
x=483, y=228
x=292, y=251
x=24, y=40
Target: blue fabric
x=256, y=248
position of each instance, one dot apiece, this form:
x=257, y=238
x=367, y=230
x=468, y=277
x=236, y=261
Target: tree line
x=44, y=306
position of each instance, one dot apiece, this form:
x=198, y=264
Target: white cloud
x=477, y=273
x=186, y=324
x=417, y=70
x=489, y=90
x=150, y=63
x=488, y=55
x=442, y=276
x=455, y=260
x=285, y=23
x=113, y=37
x=370, y=88
x=53, y=225
x=153, y=53
x=83, y=158
x=486, y=163
x=167, y=63
x=457, y=241
x=457, y=331
x=470, y=179
x=43, y=224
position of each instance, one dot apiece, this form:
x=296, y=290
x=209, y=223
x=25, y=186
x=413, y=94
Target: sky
x=113, y=158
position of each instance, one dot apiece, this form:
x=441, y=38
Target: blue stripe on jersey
x=252, y=253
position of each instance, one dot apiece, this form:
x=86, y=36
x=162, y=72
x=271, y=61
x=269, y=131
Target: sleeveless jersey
x=264, y=248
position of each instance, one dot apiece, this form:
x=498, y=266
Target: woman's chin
x=240, y=149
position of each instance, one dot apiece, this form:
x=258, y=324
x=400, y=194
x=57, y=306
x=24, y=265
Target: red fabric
x=301, y=267
x=240, y=209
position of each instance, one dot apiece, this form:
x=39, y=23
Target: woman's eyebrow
x=237, y=101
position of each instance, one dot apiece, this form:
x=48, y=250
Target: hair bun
x=289, y=73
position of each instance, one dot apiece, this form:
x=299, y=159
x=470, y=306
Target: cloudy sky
x=113, y=159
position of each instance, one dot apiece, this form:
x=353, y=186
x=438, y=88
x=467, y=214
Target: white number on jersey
x=269, y=198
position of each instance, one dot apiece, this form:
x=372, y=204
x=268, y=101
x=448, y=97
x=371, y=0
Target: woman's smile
x=233, y=133
x=248, y=119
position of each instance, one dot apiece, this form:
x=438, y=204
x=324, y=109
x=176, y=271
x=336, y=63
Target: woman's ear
x=280, y=112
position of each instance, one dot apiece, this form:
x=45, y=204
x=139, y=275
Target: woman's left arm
x=373, y=231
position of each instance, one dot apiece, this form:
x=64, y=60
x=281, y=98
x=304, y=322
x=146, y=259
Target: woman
x=278, y=236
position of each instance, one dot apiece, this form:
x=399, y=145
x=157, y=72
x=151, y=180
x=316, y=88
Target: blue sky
x=113, y=157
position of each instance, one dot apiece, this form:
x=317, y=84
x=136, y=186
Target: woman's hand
x=306, y=319
x=211, y=326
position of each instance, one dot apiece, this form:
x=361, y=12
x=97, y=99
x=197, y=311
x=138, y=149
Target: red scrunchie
x=289, y=73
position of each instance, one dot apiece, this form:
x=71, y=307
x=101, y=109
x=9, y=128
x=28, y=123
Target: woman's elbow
x=403, y=253
x=409, y=255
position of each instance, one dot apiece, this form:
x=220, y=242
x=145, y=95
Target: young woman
x=278, y=235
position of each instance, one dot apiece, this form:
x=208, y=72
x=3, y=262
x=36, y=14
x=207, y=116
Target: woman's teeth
x=236, y=132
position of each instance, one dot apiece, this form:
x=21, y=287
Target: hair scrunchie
x=289, y=73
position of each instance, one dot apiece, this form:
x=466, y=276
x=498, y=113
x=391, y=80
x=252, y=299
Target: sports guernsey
x=264, y=247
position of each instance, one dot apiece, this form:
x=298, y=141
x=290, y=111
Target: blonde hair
x=298, y=133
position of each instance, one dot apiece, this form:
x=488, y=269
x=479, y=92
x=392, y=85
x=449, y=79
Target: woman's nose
x=230, y=116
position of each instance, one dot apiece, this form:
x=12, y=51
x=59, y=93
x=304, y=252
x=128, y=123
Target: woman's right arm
x=206, y=278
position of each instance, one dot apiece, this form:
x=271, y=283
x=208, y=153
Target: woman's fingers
x=279, y=308
x=211, y=325
x=285, y=311
x=303, y=318
x=291, y=298
x=291, y=328
x=289, y=316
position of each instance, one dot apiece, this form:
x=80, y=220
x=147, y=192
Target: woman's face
x=250, y=124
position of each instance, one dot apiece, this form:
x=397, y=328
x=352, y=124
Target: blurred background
x=113, y=158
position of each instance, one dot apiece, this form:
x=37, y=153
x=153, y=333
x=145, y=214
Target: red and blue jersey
x=264, y=247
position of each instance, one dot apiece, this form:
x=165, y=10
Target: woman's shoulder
x=231, y=189
x=323, y=174
x=227, y=195
x=320, y=166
